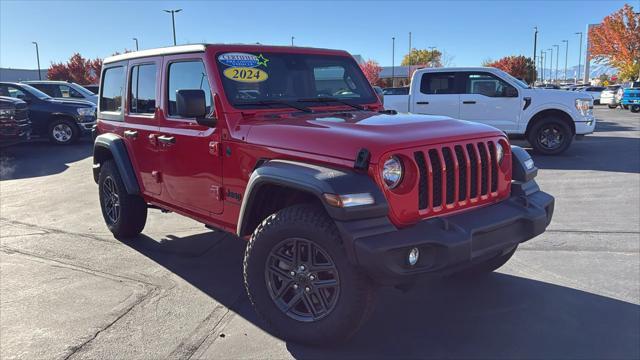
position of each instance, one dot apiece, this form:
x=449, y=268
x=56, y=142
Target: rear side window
x=143, y=89
x=438, y=83
x=112, y=89
x=187, y=75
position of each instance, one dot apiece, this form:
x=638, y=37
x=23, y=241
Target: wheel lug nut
x=302, y=268
x=307, y=289
x=311, y=277
x=295, y=286
x=293, y=273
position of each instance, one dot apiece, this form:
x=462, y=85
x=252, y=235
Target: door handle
x=167, y=139
x=468, y=102
x=422, y=103
x=132, y=134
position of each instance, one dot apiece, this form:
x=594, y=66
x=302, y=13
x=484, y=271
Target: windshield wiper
x=276, y=102
x=331, y=99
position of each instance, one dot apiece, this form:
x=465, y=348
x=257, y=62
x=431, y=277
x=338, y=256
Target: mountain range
x=595, y=70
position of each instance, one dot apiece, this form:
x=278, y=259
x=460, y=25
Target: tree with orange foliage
x=520, y=67
x=371, y=70
x=616, y=41
x=77, y=69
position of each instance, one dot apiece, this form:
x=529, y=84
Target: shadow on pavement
x=44, y=158
x=495, y=316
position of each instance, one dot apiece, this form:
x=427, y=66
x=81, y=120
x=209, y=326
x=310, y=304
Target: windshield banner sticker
x=245, y=74
x=242, y=60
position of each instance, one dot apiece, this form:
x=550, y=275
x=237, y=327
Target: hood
x=9, y=102
x=70, y=102
x=343, y=134
x=557, y=94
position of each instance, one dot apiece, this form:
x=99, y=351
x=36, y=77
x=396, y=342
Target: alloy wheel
x=62, y=132
x=550, y=137
x=111, y=200
x=302, y=279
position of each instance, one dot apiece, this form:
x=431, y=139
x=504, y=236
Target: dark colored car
x=62, y=121
x=15, y=126
x=287, y=147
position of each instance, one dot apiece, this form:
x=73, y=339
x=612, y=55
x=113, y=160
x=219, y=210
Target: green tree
x=432, y=58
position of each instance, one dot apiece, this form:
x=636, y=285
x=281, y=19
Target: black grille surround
x=459, y=173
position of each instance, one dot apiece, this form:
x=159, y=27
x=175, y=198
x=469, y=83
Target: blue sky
x=470, y=31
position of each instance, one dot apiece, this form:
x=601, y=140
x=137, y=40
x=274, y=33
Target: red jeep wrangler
x=291, y=149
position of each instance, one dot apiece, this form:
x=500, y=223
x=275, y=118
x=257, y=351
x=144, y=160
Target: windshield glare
x=253, y=79
x=83, y=90
x=518, y=82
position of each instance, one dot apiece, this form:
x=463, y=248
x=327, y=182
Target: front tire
x=635, y=108
x=612, y=106
x=63, y=132
x=124, y=214
x=550, y=136
x=300, y=281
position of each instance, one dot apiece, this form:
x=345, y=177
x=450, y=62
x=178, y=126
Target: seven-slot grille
x=455, y=174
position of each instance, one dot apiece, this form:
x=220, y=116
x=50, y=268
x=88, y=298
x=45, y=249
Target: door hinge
x=217, y=192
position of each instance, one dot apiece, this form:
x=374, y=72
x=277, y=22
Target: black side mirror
x=191, y=103
x=511, y=92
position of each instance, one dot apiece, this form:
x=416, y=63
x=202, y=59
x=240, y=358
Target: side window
x=438, y=83
x=48, y=89
x=13, y=92
x=112, y=86
x=143, y=89
x=69, y=92
x=187, y=75
x=486, y=84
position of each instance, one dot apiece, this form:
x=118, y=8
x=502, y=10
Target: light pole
x=173, y=22
x=410, y=51
x=293, y=37
x=566, y=55
x=557, y=57
x=136, y=40
x=543, y=63
x=535, y=43
x=551, y=64
x=38, y=58
x=393, y=62
x=579, y=56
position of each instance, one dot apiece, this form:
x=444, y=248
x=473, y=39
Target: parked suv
x=64, y=90
x=290, y=148
x=62, y=121
x=549, y=119
x=15, y=126
x=609, y=96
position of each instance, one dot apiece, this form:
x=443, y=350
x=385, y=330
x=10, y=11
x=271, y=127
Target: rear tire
x=63, y=132
x=550, y=136
x=635, y=108
x=299, y=279
x=612, y=106
x=124, y=214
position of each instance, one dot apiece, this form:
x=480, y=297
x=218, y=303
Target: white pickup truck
x=549, y=119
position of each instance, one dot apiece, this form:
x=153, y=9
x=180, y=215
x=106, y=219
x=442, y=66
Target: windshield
x=35, y=92
x=83, y=90
x=254, y=80
x=518, y=82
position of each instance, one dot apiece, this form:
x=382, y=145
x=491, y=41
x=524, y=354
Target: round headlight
x=392, y=172
x=499, y=152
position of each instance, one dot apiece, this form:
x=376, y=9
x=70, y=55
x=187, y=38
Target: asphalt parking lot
x=68, y=289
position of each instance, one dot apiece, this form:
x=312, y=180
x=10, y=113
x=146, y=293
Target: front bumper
x=85, y=123
x=455, y=242
x=585, y=126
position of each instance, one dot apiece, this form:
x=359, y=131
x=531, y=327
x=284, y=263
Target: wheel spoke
x=280, y=272
x=325, y=283
x=308, y=302
x=294, y=301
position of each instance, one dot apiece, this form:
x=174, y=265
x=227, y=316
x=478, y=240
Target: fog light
x=414, y=254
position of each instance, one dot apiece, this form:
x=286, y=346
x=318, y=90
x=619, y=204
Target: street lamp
x=136, y=40
x=410, y=51
x=535, y=43
x=431, y=48
x=38, y=58
x=393, y=63
x=293, y=37
x=551, y=64
x=579, y=56
x=557, y=57
x=566, y=55
x=173, y=21
x=543, y=63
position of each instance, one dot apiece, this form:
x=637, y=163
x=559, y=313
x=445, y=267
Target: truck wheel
x=124, y=214
x=488, y=266
x=300, y=281
x=550, y=136
x=63, y=132
x=635, y=108
x=613, y=106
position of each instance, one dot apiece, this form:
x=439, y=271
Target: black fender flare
x=115, y=145
x=315, y=180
